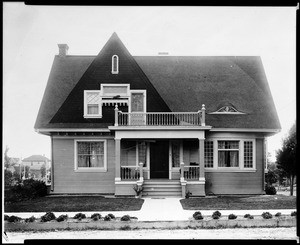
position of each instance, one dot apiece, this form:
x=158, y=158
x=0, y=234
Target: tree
x=6, y=158
x=286, y=157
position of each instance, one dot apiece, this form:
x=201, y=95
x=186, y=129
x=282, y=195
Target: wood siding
x=238, y=182
x=68, y=181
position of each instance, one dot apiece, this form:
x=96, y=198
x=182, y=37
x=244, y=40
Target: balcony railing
x=160, y=118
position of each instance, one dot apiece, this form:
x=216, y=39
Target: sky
x=31, y=35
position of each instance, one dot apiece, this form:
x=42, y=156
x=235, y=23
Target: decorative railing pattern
x=160, y=118
x=191, y=172
x=130, y=173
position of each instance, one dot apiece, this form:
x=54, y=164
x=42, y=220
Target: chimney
x=63, y=49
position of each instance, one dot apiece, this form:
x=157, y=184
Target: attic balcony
x=160, y=119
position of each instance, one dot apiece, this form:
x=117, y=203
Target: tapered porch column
x=201, y=160
x=117, y=159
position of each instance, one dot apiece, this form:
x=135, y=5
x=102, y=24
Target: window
x=92, y=105
x=90, y=154
x=115, y=64
x=175, y=147
x=248, y=154
x=208, y=154
x=137, y=102
x=142, y=153
x=228, y=153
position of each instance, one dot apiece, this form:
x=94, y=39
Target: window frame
x=144, y=92
x=241, y=167
x=90, y=169
x=114, y=71
x=85, y=109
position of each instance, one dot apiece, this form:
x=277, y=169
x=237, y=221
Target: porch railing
x=191, y=172
x=130, y=173
x=160, y=118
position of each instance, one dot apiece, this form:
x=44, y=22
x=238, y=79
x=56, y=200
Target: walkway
x=161, y=209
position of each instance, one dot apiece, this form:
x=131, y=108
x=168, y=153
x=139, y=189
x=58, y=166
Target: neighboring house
x=35, y=163
x=169, y=123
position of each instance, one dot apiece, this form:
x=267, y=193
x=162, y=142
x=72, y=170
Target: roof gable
x=99, y=71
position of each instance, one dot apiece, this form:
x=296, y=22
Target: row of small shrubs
x=216, y=215
x=79, y=216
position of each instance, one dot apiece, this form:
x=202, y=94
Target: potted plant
x=138, y=190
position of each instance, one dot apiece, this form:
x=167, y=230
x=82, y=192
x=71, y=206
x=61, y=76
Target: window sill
x=92, y=116
x=90, y=170
x=235, y=170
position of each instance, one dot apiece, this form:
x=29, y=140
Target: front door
x=159, y=159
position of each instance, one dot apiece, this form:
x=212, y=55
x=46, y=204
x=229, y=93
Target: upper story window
x=115, y=64
x=92, y=104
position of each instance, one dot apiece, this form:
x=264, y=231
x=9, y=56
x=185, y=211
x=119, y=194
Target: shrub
x=248, y=216
x=294, y=213
x=107, y=218
x=232, y=216
x=270, y=190
x=125, y=218
x=216, y=215
x=96, y=216
x=188, y=194
x=278, y=214
x=266, y=215
x=48, y=217
x=6, y=217
x=30, y=219
x=28, y=189
x=62, y=218
x=14, y=218
x=196, y=213
x=198, y=216
x=79, y=216
x=111, y=216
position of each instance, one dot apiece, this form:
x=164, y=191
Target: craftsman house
x=171, y=124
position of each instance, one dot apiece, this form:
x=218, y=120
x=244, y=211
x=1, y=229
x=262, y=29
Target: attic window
x=92, y=104
x=227, y=110
x=115, y=64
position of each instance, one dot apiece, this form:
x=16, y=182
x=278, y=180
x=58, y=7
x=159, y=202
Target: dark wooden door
x=159, y=159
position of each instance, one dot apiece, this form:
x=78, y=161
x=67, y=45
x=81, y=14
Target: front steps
x=161, y=188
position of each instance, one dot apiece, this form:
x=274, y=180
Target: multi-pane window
x=142, y=153
x=175, y=147
x=248, y=154
x=115, y=65
x=208, y=154
x=228, y=153
x=90, y=154
x=137, y=102
x=92, y=103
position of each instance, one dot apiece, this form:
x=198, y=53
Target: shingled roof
x=183, y=82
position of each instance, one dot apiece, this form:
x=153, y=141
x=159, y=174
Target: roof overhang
x=48, y=131
x=268, y=132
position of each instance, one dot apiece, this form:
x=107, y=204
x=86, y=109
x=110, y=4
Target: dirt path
x=238, y=233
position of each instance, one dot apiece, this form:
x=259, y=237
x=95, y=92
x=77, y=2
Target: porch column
x=117, y=159
x=201, y=160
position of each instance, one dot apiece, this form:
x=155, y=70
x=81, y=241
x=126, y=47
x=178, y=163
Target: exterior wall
x=238, y=182
x=66, y=180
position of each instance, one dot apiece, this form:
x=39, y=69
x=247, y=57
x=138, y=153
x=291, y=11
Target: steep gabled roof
x=176, y=83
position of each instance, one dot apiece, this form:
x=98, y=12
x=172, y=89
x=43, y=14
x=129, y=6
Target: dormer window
x=227, y=110
x=115, y=64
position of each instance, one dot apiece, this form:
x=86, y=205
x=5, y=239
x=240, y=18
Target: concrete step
x=161, y=188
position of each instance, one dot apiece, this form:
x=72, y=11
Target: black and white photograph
x=149, y=122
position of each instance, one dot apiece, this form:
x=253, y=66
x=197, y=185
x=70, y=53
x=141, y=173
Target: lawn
x=75, y=204
x=240, y=202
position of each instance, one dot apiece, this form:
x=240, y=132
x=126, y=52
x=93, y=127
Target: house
x=171, y=124
x=35, y=163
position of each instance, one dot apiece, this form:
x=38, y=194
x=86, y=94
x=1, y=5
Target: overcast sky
x=31, y=35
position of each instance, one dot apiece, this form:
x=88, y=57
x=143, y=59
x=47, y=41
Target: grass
x=75, y=204
x=240, y=202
